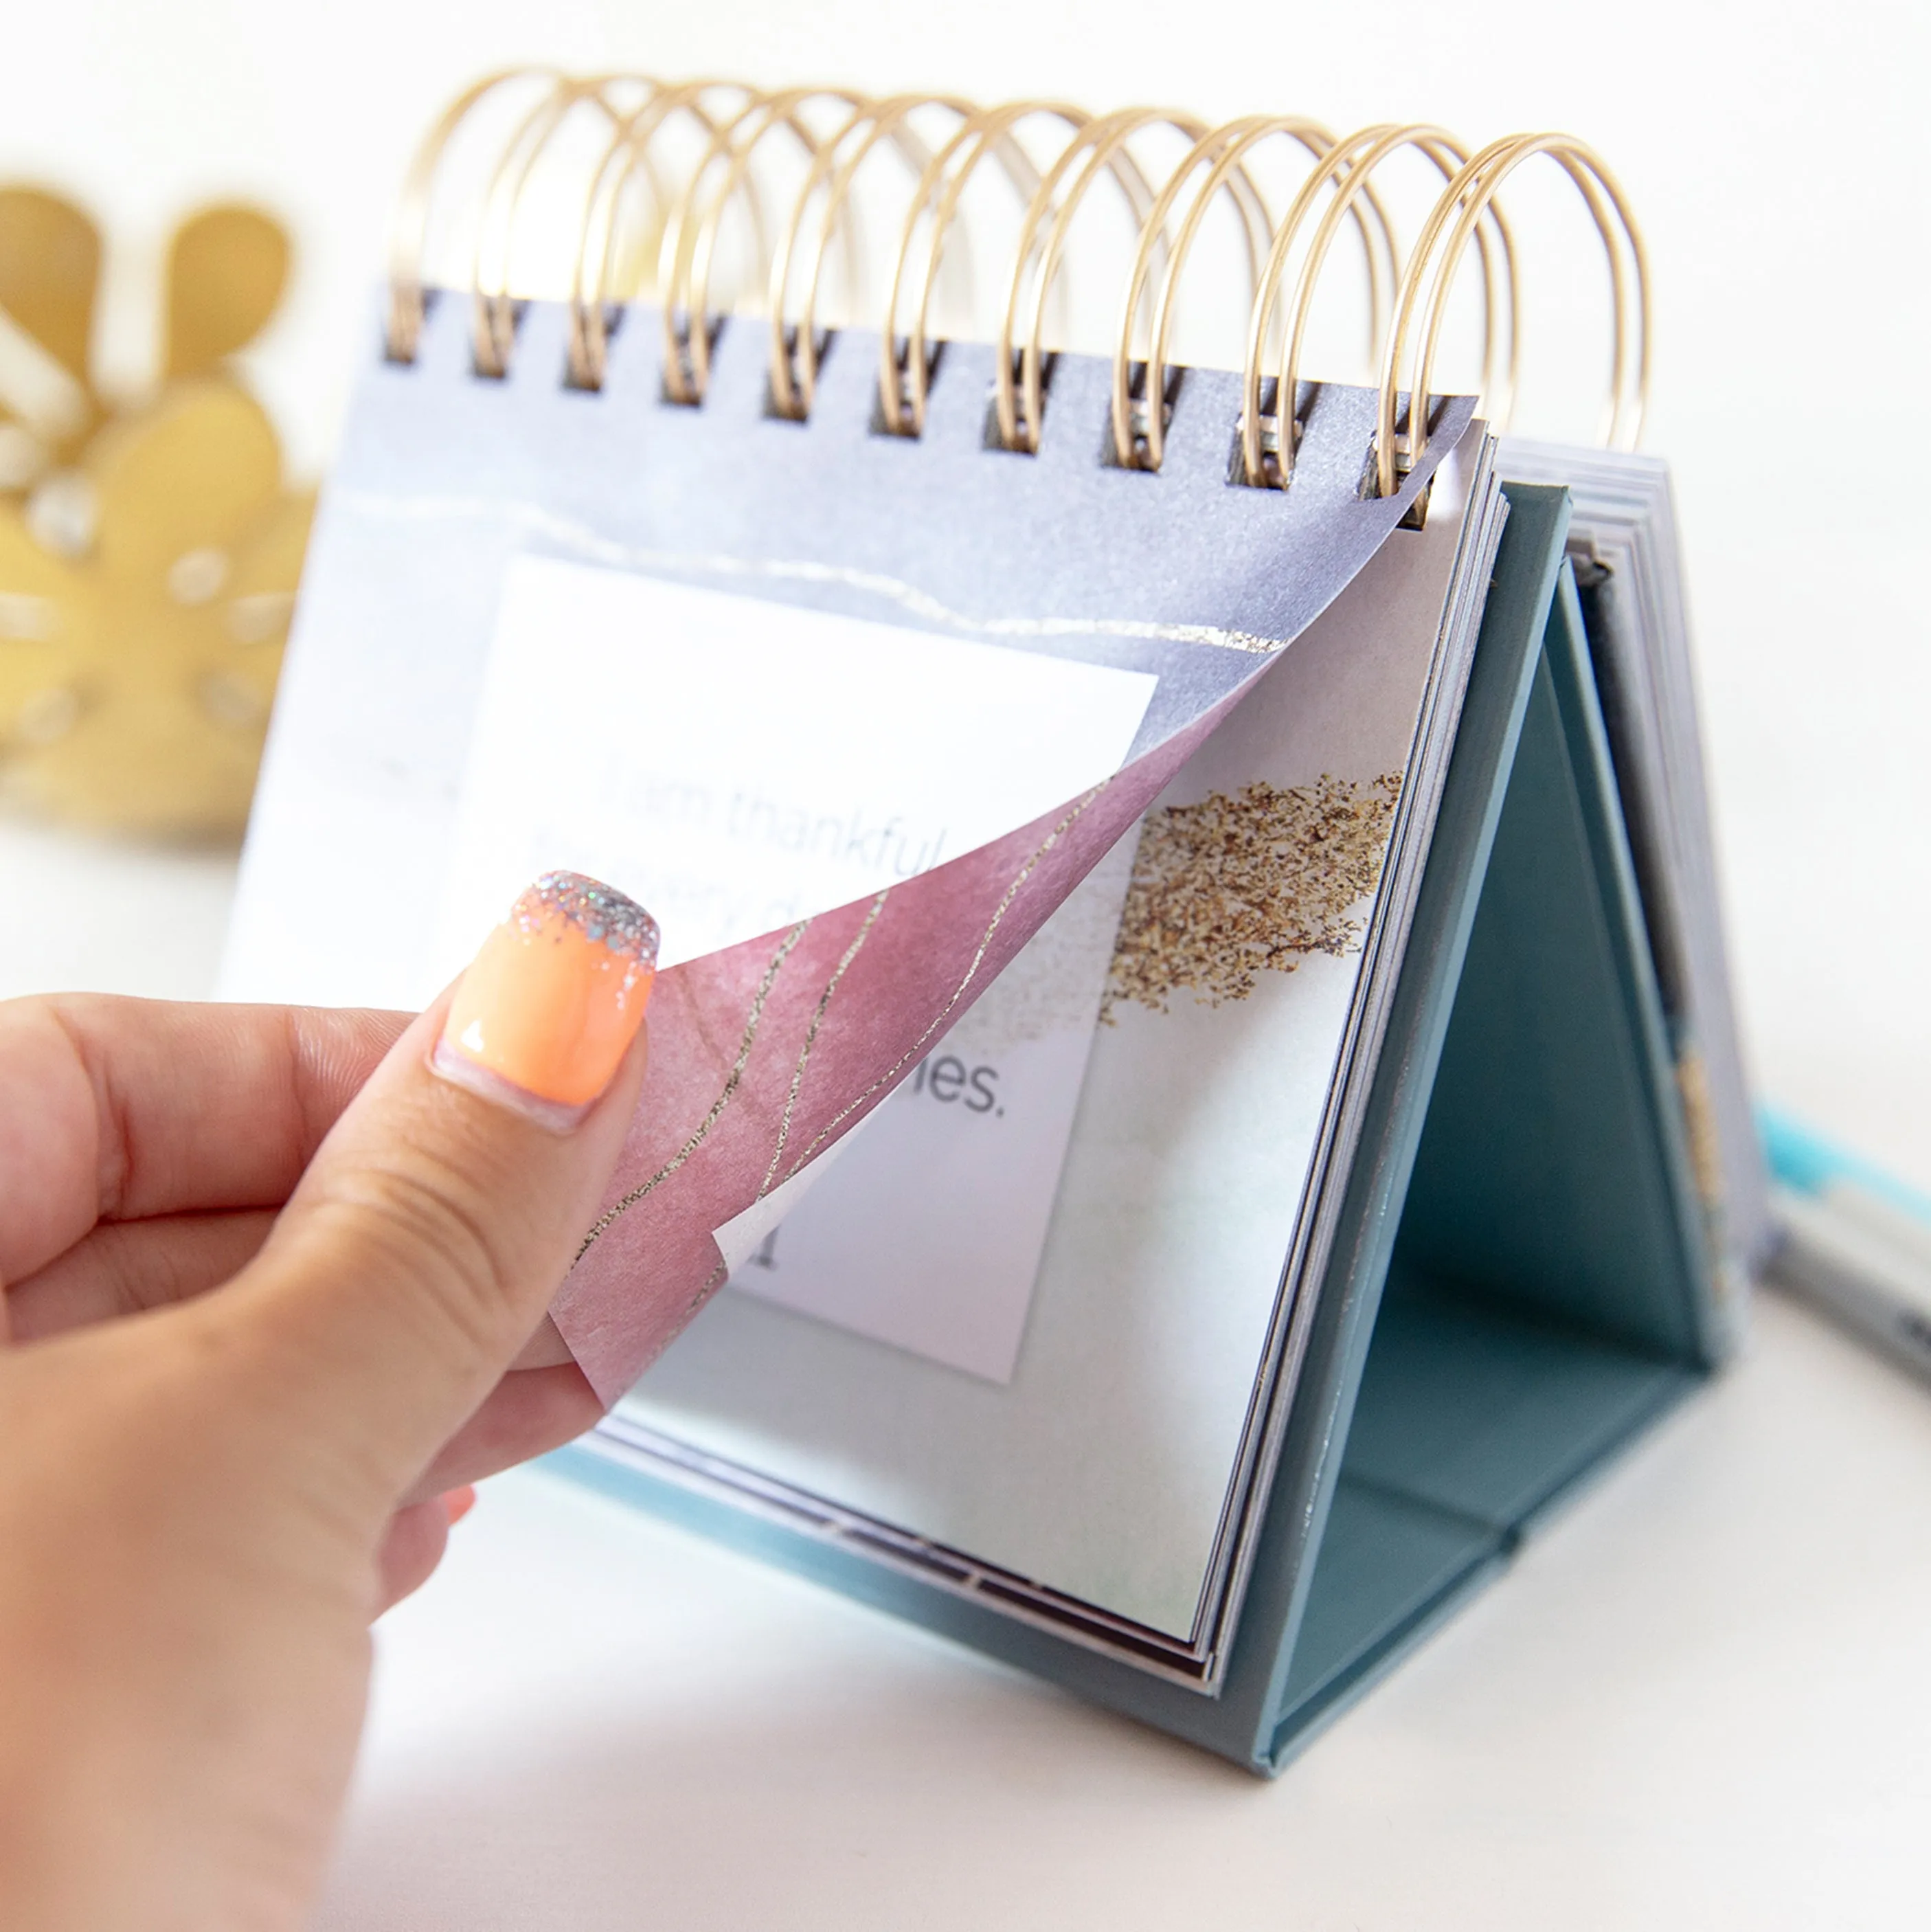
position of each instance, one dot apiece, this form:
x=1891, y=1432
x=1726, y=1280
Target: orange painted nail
x=456, y=1504
x=548, y=1008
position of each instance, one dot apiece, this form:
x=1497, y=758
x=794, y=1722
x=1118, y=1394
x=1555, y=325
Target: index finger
x=114, y=1108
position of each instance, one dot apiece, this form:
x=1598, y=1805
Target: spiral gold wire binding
x=409, y=227
x=1408, y=294
x=1346, y=172
x=795, y=347
x=905, y=368
x=1140, y=399
x=1438, y=254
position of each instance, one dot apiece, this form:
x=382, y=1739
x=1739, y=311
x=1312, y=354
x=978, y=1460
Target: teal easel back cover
x=1549, y=1292
x=1567, y=1301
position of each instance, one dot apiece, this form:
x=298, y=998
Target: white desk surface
x=1703, y=1699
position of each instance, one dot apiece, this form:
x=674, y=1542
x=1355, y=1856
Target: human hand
x=267, y=1271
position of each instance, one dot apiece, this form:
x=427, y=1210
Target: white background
x=1701, y=1704
x=1776, y=153
x=1705, y=1698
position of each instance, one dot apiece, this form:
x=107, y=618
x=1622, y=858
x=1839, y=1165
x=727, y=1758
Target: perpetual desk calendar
x=1194, y=1096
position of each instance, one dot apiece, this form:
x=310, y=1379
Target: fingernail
x=456, y=1504
x=546, y=1010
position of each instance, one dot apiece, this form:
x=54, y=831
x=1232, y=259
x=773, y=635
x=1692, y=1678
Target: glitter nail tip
x=598, y=912
x=546, y=1012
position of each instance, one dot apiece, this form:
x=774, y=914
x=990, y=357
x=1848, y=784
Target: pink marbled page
x=764, y=1054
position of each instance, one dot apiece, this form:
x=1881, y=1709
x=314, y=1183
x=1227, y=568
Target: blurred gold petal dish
x=149, y=552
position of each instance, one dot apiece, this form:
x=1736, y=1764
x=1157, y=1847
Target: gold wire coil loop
x=690, y=244
x=835, y=133
x=1102, y=146
x=1140, y=399
x=1399, y=443
x=905, y=367
x=409, y=226
x=493, y=309
x=797, y=348
x=1268, y=446
x=626, y=158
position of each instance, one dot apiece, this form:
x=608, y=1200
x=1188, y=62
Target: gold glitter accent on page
x=912, y=1053
x=810, y=1037
x=713, y=1281
x=752, y=1020
x=1228, y=889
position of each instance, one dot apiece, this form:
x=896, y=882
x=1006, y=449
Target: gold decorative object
x=149, y=552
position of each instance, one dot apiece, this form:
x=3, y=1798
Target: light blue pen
x=1855, y=1241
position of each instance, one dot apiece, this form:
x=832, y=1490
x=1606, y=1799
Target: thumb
x=429, y=1233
